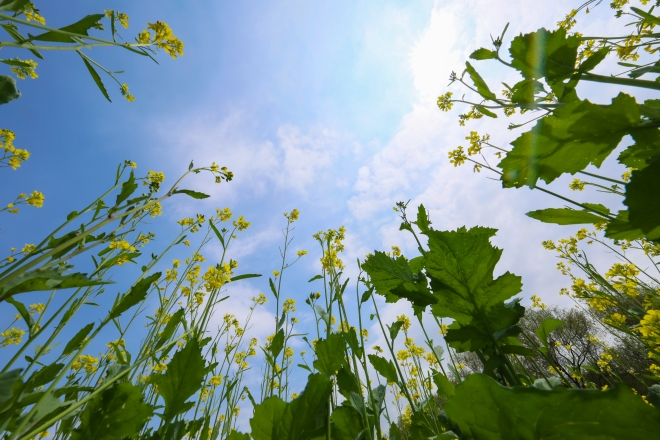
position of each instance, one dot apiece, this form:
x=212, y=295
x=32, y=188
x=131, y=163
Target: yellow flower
x=444, y=102
x=289, y=305
x=28, y=248
x=123, y=19
x=215, y=380
x=276, y=273
x=32, y=14
x=292, y=216
x=12, y=337
x=444, y=328
x=164, y=39
x=27, y=68
x=457, y=157
x=36, y=199
x=405, y=322
x=122, y=245
x=87, y=362
x=124, y=92
x=37, y=308
x=301, y=252
x=223, y=214
x=241, y=224
x=577, y=185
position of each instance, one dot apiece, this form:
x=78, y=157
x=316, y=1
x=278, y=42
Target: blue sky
x=328, y=107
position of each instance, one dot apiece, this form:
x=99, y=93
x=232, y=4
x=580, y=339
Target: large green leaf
x=330, y=354
x=566, y=216
x=182, y=379
x=50, y=279
x=80, y=27
x=134, y=296
x=525, y=91
x=384, y=367
x=117, y=412
x=621, y=229
x=545, y=54
x=347, y=423
x=461, y=264
x=479, y=82
x=77, y=339
x=485, y=410
x=13, y=5
x=546, y=328
x=99, y=83
x=645, y=149
x=573, y=137
x=302, y=419
x=643, y=200
x=8, y=90
x=483, y=54
x=395, y=279
x=8, y=381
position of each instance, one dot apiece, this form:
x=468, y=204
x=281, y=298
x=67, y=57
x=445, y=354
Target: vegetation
x=501, y=371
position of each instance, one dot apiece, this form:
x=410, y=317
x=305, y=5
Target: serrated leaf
x=50, y=279
x=446, y=388
x=183, y=378
x=117, y=412
x=551, y=148
x=621, y=229
x=170, y=328
x=77, y=339
x=127, y=189
x=80, y=27
x=422, y=222
x=193, y=194
x=384, y=367
x=565, y=216
x=479, y=83
x=346, y=423
x=395, y=279
x=135, y=295
x=525, y=91
x=483, y=54
x=483, y=409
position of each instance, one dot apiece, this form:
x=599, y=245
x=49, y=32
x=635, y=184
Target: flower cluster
x=162, y=38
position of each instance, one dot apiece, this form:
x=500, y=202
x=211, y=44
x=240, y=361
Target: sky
x=327, y=107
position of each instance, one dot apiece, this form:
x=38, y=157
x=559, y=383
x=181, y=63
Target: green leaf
x=23, y=312
x=446, y=388
x=545, y=54
x=646, y=16
x=461, y=264
x=518, y=349
x=423, y=222
x=272, y=287
x=127, y=188
x=235, y=435
x=601, y=209
x=394, y=279
x=483, y=409
x=97, y=79
x=347, y=383
x=302, y=419
x=621, y=229
x=314, y=278
x=384, y=367
x=8, y=381
x=8, y=90
x=394, y=330
x=245, y=276
x=170, y=328
x=13, y=5
x=525, y=91
x=77, y=339
x=594, y=60
x=193, y=194
x=182, y=379
x=117, y=412
x=545, y=328
x=483, y=54
x=645, y=150
x=330, y=354
x=80, y=27
x=347, y=423
x=136, y=295
x=551, y=148
x=12, y=30
x=50, y=279
x=643, y=202
x=479, y=83
x=485, y=111
x=566, y=216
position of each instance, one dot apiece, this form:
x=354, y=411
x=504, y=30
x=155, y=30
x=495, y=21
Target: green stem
x=602, y=177
x=621, y=81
